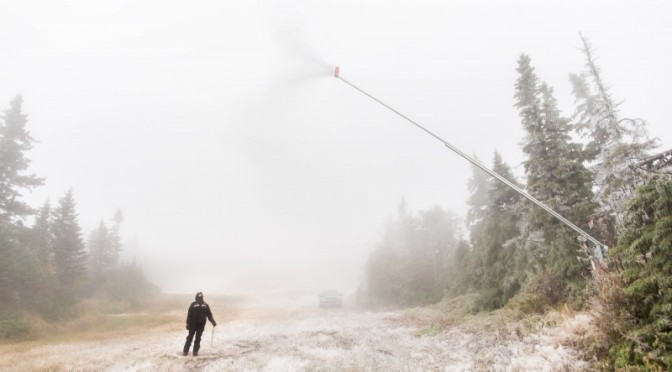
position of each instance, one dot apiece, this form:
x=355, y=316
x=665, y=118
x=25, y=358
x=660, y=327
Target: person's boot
x=195, y=353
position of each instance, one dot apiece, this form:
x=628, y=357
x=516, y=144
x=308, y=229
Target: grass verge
x=103, y=319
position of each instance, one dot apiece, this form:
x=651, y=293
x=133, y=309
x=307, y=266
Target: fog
x=241, y=164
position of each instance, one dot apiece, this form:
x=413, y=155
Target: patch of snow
x=306, y=339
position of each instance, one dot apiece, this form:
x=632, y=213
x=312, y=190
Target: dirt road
x=310, y=339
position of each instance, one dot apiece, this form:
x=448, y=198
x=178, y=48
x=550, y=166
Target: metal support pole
x=599, y=246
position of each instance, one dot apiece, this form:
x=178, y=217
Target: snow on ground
x=309, y=339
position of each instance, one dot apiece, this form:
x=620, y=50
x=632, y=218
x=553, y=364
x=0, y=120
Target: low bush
x=635, y=309
x=527, y=303
x=549, y=286
x=488, y=299
x=15, y=327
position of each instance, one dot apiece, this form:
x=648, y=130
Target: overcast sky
x=240, y=163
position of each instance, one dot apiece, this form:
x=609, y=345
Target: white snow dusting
x=310, y=339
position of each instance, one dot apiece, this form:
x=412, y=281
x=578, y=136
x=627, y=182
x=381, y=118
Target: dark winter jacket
x=198, y=312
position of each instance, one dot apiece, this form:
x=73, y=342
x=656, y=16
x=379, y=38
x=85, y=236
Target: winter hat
x=199, y=296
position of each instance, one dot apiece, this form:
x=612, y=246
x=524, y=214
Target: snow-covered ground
x=305, y=338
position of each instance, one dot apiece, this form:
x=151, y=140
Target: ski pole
x=212, y=336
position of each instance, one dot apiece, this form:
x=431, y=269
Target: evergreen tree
x=115, y=237
x=105, y=246
x=638, y=292
x=8, y=261
x=494, y=204
x=28, y=270
x=478, y=186
x=15, y=141
x=69, y=253
x=100, y=251
x=555, y=175
x=41, y=237
x=40, y=247
x=615, y=144
x=501, y=275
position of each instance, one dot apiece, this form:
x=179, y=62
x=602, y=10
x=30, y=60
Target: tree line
x=587, y=167
x=46, y=267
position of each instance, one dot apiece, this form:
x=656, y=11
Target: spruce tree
x=556, y=176
x=15, y=141
x=478, y=185
x=41, y=236
x=104, y=246
x=8, y=261
x=615, y=144
x=40, y=246
x=115, y=237
x=501, y=229
x=69, y=253
x=100, y=251
x=638, y=296
x=493, y=254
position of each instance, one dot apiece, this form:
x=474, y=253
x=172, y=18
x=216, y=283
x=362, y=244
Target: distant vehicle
x=330, y=298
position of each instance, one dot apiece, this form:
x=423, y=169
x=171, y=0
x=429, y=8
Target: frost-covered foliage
x=492, y=220
x=563, y=174
x=554, y=165
x=615, y=145
x=557, y=177
x=637, y=294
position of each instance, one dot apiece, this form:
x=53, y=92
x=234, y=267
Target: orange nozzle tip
x=337, y=70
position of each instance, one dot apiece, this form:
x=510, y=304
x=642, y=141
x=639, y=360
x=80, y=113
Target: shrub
x=550, y=287
x=488, y=299
x=636, y=297
x=527, y=303
x=14, y=328
x=578, y=292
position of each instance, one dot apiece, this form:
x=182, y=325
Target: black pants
x=196, y=329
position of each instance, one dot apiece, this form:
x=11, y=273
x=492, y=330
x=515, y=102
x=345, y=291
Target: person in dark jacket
x=196, y=316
